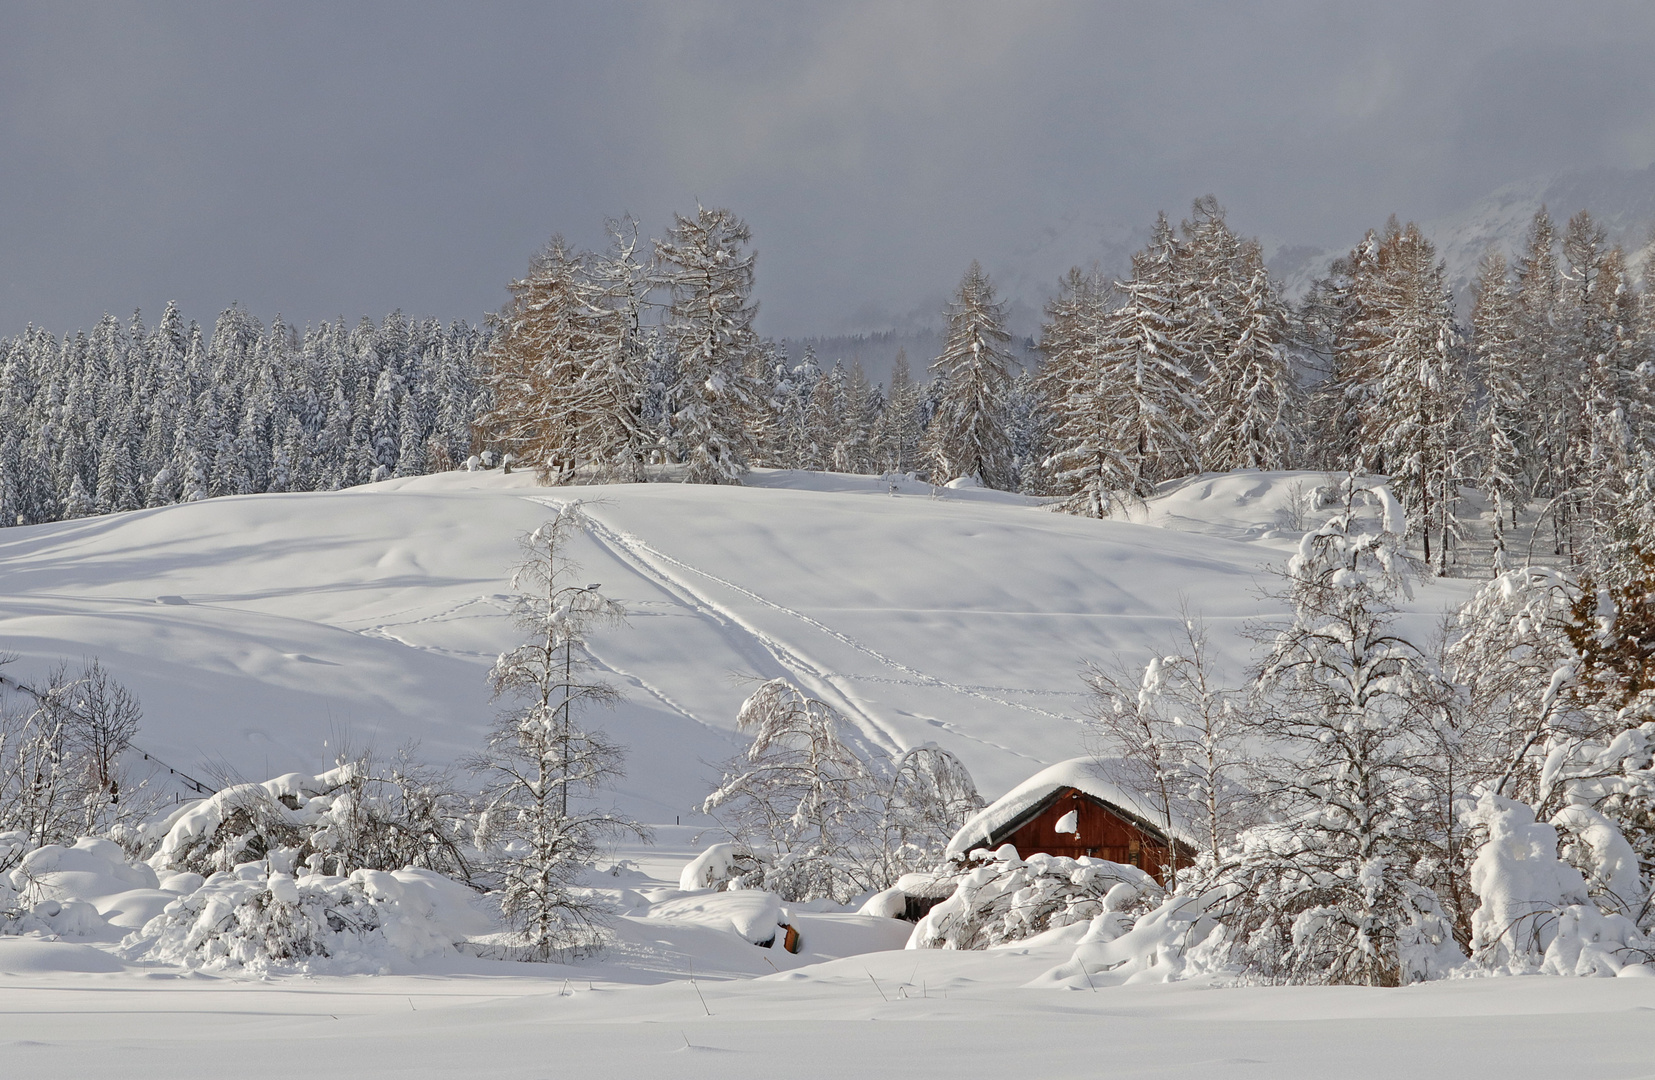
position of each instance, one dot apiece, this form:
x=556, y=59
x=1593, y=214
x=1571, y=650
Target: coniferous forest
x=641, y=361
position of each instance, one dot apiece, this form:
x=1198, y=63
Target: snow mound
x=254, y=920
x=32, y=956
x=1250, y=505
x=750, y=914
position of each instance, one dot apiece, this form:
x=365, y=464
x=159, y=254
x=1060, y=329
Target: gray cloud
x=322, y=159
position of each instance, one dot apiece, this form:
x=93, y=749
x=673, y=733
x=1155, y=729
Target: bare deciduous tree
x=543, y=766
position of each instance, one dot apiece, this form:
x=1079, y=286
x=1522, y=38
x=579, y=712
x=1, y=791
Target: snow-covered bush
x=722, y=867
x=258, y=920
x=359, y=815
x=49, y=887
x=999, y=897
x=1178, y=939
x=1536, y=911
x=1301, y=910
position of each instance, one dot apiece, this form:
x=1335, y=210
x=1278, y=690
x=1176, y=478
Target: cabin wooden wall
x=1103, y=835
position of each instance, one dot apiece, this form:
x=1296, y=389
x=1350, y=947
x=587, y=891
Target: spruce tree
x=1249, y=392
x=969, y=433
x=708, y=272
x=1501, y=431
x=898, y=432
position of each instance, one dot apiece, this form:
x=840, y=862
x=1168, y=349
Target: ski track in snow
x=760, y=649
x=653, y=564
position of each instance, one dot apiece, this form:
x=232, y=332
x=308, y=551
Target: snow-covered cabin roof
x=1084, y=774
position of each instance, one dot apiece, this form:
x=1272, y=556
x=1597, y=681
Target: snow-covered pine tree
x=1030, y=433
x=1124, y=398
x=1413, y=410
x=1145, y=365
x=1251, y=398
x=969, y=433
x=1340, y=323
x=790, y=423
x=898, y=433
x=1548, y=372
x=853, y=451
x=1084, y=463
x=544, y=764
x=1211, y=272
x=705, y=265
x=612, y=431
x=825, y=420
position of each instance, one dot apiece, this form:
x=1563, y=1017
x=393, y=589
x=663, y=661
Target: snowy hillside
x=259, y=631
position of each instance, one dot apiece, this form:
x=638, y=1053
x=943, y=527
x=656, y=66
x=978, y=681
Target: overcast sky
x=326, y=159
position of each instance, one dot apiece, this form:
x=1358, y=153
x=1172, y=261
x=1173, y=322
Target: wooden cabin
x=1108, y=822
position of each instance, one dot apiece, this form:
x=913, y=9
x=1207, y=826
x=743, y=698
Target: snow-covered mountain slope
x=1620, y=200
x=260, y=631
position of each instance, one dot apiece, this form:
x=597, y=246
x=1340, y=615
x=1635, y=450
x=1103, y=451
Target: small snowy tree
x=800, y=797
x=544, y=764
x=61, y=743
x=1174, y=734
x=927, y=797
x=1352, y=710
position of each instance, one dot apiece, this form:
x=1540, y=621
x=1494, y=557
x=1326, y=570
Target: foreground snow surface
x=261, y=631
x=891, y=1013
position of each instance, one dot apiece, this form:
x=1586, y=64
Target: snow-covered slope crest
x=1242, y=505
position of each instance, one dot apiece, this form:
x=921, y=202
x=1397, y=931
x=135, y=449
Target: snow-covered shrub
x=359, y=815
x=999, y=897
x=1536, y=913
x=722, y=867
x=1303, y=910
x=48, y=887
x=255, y=919
x=1178, y=939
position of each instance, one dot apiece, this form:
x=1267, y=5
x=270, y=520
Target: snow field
x=261, y=632
x=955, y=1014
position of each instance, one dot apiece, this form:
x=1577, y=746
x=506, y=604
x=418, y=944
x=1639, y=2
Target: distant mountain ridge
x=1621, y=200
